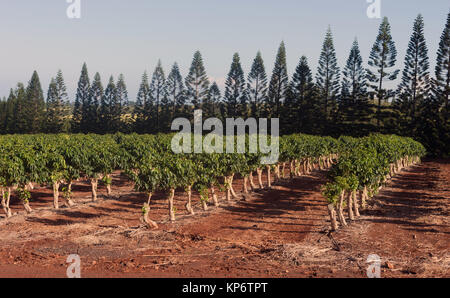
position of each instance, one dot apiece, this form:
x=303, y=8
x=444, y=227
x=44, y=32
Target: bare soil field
x=282, y=232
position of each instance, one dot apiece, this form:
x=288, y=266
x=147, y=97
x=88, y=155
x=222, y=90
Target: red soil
x=272, y=233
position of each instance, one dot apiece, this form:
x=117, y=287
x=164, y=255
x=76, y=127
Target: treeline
x=355, y=101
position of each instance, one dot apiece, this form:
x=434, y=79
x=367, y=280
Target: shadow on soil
x=412, y=201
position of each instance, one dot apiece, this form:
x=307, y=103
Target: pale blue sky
x=119, y=36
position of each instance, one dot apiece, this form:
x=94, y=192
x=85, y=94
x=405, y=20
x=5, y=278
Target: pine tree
x=107, y=104
x=90, y=121
x=328, y=75
x=122, y=92
x=307, y=112
x=79, y=110
x=19, y=124
x=10, y=106
x=3, y=115
x=278, y=83
x=235, y=89
x=197, y=82
x=35, y=105
x=415, y=84
x=257, y=86
x=176, y=94
x=157, y=94
x=52, y=107
x=57, y=114
x=382, y=58
x=442, y=71
x=122, y=107
x=354, y=106
x=142, y=103
x=434, y=121
x=211, y=107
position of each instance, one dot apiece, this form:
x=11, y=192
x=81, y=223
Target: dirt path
x=274, y=233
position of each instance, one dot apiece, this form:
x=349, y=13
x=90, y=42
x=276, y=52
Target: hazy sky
x=118, y=36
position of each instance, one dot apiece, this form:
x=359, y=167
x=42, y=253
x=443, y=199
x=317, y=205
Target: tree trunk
x=259, y=171
x=269, y=182
x=340, y=212
x=145, y=220
x=189, y=203
x=5, y=202
x=27, y=207
x=252, y=183
x=227, y=181
x=351, y=214
x=291, y=169
x=171, y=206
x=297, y=168
x=355, y=204
x=364, y=198
x=245, y=188
x=67, y=200
x=233, y=193
x=332, y=213
x=56, y=194
x=204, y=205
x=277, y=172
x=214, y=196
x=94, y=183
x=108, y=186
x=283, y=170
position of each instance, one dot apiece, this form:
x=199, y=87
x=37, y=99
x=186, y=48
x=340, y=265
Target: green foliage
x=278, y=83
x=364, y=162
x=235, y=96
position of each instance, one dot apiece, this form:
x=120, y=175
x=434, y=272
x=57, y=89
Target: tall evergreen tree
x=58, y=110
x=121, y=109
x=211, y=107
x=197, y=82
x=278, y=83
x=382, y=58
x=142, y=103
x=235, y=89
x=157, y=93
x=442, y=71
x=90, y=122
x=328, y=75
x=3, y=115
x=20, y=123
x=52, y=108
x=434, y=120
x=415, y=84
x=354, y=106
x=35, y=105
x=122, y=92
x=80, y=109
x=257, y=86
x=109, y=123
x=175, y=92
x=11, y=102
x=306, y=111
